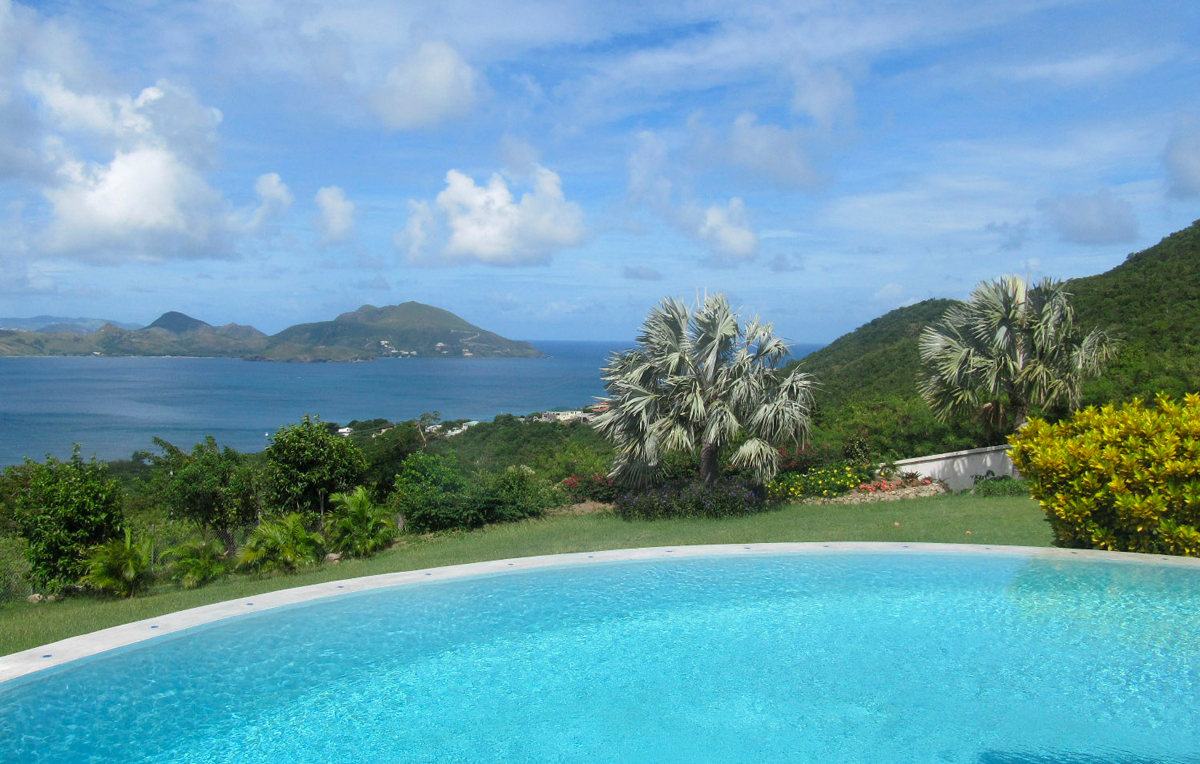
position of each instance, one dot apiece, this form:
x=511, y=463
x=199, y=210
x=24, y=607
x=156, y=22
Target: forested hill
x=397, y=331
x=1151, y=303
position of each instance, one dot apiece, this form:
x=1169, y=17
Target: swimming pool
x=841, y=656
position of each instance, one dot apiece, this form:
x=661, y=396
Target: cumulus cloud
x=337, y=215
x=1182, y=160
x=770, y=151
x=727, y=230
x=151, y=199
x=1099, y=218
x=432, y=86
x=724, y=229
x=641, y=273
x=145, y=200
x=274, y=198
x=487, y=224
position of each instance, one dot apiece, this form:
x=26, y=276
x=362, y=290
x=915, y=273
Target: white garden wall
x=958, y=468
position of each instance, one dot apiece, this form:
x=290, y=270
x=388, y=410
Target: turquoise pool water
x=847, y=657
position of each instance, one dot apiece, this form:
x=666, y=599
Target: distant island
x=408, y=330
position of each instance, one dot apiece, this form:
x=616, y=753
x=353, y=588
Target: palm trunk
x=708, y=463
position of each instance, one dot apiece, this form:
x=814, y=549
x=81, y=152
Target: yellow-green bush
x=1124, y=479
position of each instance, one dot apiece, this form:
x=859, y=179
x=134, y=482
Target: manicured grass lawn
x=943, y=519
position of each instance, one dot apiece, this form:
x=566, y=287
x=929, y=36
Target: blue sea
x=114, y=406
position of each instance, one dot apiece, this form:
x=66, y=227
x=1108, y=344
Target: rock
x=54, y=598
x=333, y=557
x=35, y=598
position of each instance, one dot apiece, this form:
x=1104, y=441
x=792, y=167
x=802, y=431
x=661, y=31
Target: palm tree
x=120, y=567
x=284, y=544
x=359, y=528
x=1009, y=347
x=699, y=378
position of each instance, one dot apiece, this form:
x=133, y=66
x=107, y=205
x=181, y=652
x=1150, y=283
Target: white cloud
x=724, y=229
x=145, y=202
x=337, y=215
x=1182, y=160
x=1099, y=218
x=770, y=151
x=487, y=224
x=727, y=230
x=274, y=198
x=1091, y=67
x=823, y=94
x=432, y=86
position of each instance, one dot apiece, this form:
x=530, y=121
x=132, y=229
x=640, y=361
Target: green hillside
x=409, y=329
x=1151, y=302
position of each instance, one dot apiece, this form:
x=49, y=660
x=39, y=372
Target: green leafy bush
x=824, y=483
x=1002, y=485
x=689, y=499
x=514, y=494
x=307, y=463
x=64, y=509
x=195, y=563
x=1125, y=479
x=430, y=494
x=358, y=527
x=120, y=566
x=282, y=545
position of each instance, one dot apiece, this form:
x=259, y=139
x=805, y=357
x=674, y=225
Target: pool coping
x=36, y=659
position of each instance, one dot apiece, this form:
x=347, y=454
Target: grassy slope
x=943, y=519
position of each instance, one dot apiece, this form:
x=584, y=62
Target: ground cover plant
x=959, y=518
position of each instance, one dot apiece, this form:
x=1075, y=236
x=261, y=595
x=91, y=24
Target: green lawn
x=945, y=519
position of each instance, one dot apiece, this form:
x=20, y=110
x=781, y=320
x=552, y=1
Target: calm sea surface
x=114, y=406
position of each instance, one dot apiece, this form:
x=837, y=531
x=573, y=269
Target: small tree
x=700, y=378
x=360, y=528
x=1009, y=347
x=120, y=567
x=210, y=486
x=65, y=509
x=308, y=463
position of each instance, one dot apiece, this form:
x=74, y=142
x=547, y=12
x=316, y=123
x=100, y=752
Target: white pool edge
x=54, y=654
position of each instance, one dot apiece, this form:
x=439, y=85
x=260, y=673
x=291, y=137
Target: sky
x=551, y=170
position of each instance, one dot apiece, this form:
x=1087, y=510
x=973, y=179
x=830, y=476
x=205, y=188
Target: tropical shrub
x=282, y=545
x=1125, y=479
x=120, y=566
x=307, y=463
x=514, y=494
x=689, y=499
x=590, y=488
x=64, y=509
x=359, y=527
x=999, y=485
x=195, y=563
x=824, y=483
x=211, y=486
x=431, y=496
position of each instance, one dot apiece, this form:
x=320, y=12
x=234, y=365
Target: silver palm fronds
x=701, y=379
x=1010, y=346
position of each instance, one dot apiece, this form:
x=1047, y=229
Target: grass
x=943, y=519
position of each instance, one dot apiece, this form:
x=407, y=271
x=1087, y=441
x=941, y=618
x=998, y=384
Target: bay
x=114, y=406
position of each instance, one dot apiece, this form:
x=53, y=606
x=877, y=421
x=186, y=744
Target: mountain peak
x=177, y=323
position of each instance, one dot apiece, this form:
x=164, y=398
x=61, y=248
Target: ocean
x=113, y=407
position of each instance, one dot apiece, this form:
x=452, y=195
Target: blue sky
x=550, y=170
